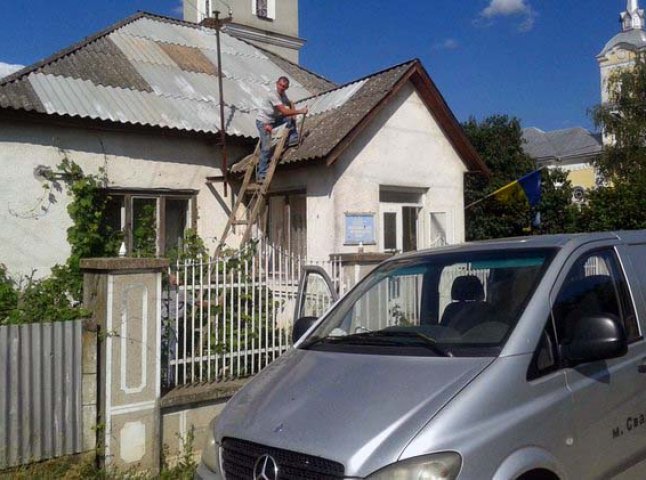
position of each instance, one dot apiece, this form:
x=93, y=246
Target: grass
x=84, y=468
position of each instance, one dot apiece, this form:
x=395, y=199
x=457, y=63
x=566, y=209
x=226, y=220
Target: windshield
x=454, y=304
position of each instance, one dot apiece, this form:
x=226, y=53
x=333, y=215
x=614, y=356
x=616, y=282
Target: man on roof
x=277, y=109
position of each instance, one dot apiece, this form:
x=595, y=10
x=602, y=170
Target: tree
x=557, y=213
x=498, y=140
x=621, y=202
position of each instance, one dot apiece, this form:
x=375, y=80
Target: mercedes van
x=518, y=359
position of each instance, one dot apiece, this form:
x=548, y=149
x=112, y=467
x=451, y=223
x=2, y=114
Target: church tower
x=622, y=49
x=270, y=24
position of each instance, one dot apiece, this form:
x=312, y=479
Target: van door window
x=594, y=286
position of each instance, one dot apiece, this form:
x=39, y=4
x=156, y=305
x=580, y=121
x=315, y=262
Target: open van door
x=316, y=293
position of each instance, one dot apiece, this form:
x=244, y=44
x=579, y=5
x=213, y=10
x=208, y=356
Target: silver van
x=517, y=359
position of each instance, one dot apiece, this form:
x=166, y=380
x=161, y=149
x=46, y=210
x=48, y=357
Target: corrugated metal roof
x=100, y=62
x=142, y=50
x=128, y=106
x=309, y=80
x=154, y=71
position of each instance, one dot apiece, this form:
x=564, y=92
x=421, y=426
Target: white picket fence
x=229, y=317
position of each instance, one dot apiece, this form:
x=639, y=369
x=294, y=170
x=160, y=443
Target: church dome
x=630, y=40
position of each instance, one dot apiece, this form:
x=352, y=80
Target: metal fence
x=229, y=317
x=40, y=392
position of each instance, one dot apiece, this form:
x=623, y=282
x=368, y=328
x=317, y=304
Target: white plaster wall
x=403, y=147
x=34, y=221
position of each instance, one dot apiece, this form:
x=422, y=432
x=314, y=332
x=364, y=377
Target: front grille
x=239, y=458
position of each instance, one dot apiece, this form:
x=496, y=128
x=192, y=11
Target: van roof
x=539, y=241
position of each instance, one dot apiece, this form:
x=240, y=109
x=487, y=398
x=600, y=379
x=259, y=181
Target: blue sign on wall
x=359, y=228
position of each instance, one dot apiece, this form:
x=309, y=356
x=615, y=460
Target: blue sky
x=534, y=59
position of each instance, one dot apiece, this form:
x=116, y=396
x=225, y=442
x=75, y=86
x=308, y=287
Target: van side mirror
x=597, y=337
x=301, y=326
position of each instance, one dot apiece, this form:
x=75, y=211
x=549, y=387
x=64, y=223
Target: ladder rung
x=254, y=186
x=239, y=222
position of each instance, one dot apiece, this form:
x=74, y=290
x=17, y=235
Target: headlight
x=210, y=451
x=439, y=466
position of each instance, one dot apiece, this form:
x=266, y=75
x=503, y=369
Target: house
x=571, y=149
x=575, y=149
x=381, y=162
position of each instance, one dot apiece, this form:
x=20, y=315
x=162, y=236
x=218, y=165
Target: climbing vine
x=57, y=297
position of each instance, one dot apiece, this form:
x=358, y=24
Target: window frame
x=270, y=10
x=160, y=196
x=396, y=206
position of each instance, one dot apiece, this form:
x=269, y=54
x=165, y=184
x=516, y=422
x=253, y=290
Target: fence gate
x=230, y=316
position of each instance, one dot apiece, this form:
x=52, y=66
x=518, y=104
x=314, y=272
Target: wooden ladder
x=258, y=192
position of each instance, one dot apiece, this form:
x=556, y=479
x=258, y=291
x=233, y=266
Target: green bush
x=43, y=300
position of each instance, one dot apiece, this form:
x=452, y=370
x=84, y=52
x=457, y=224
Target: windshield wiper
x=422, y=339
x=385, y=338
x=355, y=339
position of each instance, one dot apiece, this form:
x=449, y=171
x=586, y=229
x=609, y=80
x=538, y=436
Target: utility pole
x=223, y=134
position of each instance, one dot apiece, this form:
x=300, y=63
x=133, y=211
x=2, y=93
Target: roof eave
x=76, y=121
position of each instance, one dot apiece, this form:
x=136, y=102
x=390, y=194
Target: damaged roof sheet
x=159, y=72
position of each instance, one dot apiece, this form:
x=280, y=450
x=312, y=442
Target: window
x=207, y=9
x=400, y=219
x=287, y=222
x=265, y=9
x=594, y=286
x=152, y=222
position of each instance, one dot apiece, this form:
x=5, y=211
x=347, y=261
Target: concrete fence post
x=125, y=297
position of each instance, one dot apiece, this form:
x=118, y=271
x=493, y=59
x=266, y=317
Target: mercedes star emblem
x=265, y=468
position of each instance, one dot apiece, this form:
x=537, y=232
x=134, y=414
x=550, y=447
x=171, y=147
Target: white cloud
x=447, y=44
x=507, y=8
x=8, y=69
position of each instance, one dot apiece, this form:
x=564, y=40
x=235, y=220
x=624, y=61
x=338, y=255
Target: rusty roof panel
x=190, y=59
x=100, y=62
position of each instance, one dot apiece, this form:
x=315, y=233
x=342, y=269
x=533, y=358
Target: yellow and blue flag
x=527, y=188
